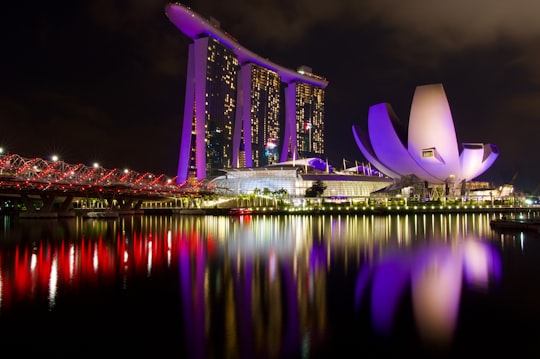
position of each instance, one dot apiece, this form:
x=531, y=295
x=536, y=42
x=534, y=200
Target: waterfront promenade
x=320, y=210
x=358, y=210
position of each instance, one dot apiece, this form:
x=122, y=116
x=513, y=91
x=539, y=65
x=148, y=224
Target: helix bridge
x=20, y=175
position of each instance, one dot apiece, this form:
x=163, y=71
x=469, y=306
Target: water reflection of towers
x=255, y=284
x=266, y=295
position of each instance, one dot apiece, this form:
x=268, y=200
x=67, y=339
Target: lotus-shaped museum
x=431, y=153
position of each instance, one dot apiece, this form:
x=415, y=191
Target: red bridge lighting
x=57, y=175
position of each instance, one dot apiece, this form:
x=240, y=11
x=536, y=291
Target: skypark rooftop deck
x=195, y=26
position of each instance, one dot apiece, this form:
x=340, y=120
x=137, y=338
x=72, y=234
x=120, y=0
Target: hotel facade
x=241, y=110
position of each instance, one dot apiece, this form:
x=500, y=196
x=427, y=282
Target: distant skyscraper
x=232, y=113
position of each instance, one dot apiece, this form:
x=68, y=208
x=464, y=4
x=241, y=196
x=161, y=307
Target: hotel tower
x=233, y=115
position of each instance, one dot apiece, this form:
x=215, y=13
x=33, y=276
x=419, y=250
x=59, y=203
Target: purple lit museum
x=432, y=154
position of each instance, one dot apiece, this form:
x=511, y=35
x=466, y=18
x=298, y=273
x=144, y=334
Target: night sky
x=104, y=80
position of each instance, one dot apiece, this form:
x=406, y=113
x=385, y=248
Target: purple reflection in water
x=435, y=274
x=389, y=282
x=193, y=298
x=244, y=291
x=317, y=256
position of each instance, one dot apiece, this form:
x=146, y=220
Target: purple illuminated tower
x=233, y=104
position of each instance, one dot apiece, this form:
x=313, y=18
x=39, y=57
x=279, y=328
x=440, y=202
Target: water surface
x=433, y=285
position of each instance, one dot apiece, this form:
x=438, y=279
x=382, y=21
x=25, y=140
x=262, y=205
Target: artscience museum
x=425, y=152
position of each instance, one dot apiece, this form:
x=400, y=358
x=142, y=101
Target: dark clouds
x=104, y=80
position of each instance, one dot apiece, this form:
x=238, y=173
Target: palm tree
x=256, y=192
x=316, y=190
x=281, y=194
x=266, y=194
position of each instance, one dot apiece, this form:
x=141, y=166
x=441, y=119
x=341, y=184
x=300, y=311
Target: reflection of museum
x=260, y=283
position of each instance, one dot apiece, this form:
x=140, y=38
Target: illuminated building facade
x=430, y=152
x=260, y=125
x=233, y=113
x=295, y=177
x=309, y=120
x=214, y=69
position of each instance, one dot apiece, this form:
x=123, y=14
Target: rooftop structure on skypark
x=431, y=153
x=232, y=113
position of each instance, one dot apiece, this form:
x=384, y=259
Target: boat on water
x=240, y=211
x=516, y=224
x=101, y=214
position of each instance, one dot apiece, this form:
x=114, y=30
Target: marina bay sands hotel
x=233, y=112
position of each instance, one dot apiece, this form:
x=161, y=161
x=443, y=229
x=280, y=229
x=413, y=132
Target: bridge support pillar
x=67, y=202
x=126, y=204
x=138, y=204
x=48, y=201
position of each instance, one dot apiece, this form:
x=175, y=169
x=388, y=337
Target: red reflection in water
x=28, y=270
x=253, y=287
